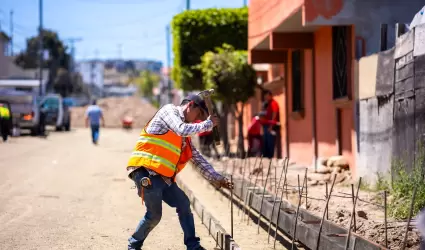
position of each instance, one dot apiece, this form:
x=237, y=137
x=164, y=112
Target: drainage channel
x=246, y=233
x=332, y=236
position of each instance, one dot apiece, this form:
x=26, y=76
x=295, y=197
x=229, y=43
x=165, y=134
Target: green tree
x=147, y=81
x=63, y=83
x=227, y=71
x=197, y=31
x=58, y=57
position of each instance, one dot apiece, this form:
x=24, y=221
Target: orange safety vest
x=161, y=153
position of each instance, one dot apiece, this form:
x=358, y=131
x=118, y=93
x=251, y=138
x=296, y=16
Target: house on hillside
x=312, y=50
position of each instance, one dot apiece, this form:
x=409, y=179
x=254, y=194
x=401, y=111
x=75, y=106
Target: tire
x=35, y=130
x=67, y=125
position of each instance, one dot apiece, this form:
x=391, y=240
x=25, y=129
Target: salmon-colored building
x=311, y=48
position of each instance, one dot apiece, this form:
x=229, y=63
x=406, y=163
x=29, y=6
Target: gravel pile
x=115, y=109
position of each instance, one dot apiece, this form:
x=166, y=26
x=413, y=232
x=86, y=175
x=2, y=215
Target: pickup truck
x=27, y=109
x=57, y=112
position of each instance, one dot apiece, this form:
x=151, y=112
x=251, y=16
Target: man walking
x=93, y=116
x=162, y=151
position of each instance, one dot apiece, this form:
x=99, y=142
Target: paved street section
x=65, y=193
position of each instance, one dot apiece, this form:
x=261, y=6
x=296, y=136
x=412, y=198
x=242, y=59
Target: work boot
x=200, y=248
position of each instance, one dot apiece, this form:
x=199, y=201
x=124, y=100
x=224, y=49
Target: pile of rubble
x=335, y=165
x=115, y=109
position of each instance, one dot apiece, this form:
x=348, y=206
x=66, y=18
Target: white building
x=92, y=72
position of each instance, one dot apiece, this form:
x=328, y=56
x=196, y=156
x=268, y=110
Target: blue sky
x=137, y=26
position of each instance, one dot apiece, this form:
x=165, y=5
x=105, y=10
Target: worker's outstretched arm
x=204, y=166
x=170, y=115
x=208, y=171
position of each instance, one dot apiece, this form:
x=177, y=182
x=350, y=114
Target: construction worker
x=5, y=121
x=162, y=150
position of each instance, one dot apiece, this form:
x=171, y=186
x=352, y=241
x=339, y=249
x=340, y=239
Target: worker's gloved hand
x=223, y=182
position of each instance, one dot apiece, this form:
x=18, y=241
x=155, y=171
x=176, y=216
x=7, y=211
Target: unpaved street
x=65, y=193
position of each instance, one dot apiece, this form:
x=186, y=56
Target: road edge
x=222, y=238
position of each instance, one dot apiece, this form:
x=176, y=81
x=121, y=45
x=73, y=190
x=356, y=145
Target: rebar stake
x=306, y=191
x=280, y=205
x=354, y=215
x=385, y=219
x=255, y=187
x=324, y=213
x=410, y=216
x=231, y=207
x=262, y=198
x=243, y=181
x=327, y=194
x=294, y=235
x=347, y=241
x=247, y=190
x=275, y=199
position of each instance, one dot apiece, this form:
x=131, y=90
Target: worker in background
x=94, y=116
x=5, y=121
x=162, y=151
x=206, y=141
x=255, y=137
x=270, y=132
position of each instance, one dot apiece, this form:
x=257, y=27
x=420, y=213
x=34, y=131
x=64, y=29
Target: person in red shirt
x=206, y=141
x=254, y=133
x=270, y=128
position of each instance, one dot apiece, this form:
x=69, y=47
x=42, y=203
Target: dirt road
x=65, y=193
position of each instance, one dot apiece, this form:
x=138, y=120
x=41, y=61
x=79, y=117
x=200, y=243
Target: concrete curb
x=332, y=236
x=223, y=240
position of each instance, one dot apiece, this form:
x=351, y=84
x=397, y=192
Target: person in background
x=254, y=133
x=94, y=115
x=269, y=130
x=5, y=121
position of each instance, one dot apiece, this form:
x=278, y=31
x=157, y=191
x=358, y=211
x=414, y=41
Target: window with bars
x=297, y=81
x=340, y=36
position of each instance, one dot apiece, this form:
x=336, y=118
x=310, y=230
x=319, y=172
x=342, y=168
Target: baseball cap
x=198, y=101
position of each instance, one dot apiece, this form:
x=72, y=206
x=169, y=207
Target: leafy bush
x=196, y=32
x=402, y=186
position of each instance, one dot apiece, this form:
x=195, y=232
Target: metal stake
x=385, y=219
x=347, y=241
x=231, y=208
x=255, y=187
x=324, y=213
x=306, y=191
x=262, y=198
x=247, y=190
x=410, y=216
x=327, y=194
x=294, y=235
x=275, y=199
x=243, y=181
x=354, y=215
x=280, y=204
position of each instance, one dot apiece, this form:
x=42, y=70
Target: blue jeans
x=94, y=132
x=153, y=197
x=268, y=142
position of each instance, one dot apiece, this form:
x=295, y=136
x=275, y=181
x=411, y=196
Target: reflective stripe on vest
x=161, y=153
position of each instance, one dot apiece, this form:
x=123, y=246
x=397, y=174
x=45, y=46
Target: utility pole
x=168, y=34
x=72, y=42
x=245, y=3
x=187, y=4
x=11, y=33
x=40, y=45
